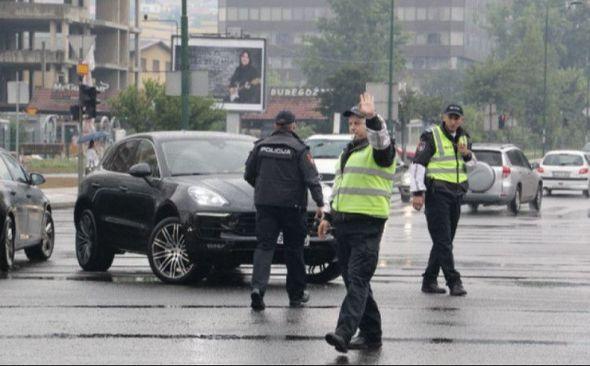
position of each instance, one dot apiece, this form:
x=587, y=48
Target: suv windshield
x=327, y=149
x=563, y=160
x=493, y=158
x=206, y=156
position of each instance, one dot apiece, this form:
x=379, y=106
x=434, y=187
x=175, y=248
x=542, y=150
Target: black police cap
x=285, y=118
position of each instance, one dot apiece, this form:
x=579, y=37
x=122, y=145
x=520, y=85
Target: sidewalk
x=62, y=198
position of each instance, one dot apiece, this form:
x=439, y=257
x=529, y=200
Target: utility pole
x=184, y=67
x=390, y=84
x=545, y=79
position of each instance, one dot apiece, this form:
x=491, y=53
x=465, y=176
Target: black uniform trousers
x=358, y=255
x=270, y=221
x=443, y=211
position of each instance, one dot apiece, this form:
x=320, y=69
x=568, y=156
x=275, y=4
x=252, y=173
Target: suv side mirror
x=141, y=170
x=36, y=179
x=535, y=166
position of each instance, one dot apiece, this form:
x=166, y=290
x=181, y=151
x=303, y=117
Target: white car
x=326, y=150
x=567, y=170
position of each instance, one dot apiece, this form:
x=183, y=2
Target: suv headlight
x=206, y=197
x=406, y=179
x=327, y=192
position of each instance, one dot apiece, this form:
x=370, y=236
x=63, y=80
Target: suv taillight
x=540, y=170
x=583, y=171
x=506, y=171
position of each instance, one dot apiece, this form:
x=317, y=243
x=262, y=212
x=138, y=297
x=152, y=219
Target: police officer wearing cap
x=281, y=170
x=360, y=205
x=439, y=181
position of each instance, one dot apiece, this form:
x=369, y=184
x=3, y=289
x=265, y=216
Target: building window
x=309, y=14
x=457, y=39
x=410, y=14
x=143, y=64
x=432, y=13
x=421, y=39
x=445, y=14
x=276, y=14
x=222, y=15
x=168, y=66
x=434, y=38
x=421, y=14
x=265, y=14
x=298, y=14
x=243, y=13
x=287, y=14
x=458, y=14
x=156, y=66
x=232, y=14
x=254, y=14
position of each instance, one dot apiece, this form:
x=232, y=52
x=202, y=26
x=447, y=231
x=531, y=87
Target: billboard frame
x=209, y=40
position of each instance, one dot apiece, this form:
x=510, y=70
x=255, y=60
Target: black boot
x=431, y=287
x=257, y=300
x=361, y=342
x=457, y=289
x=338, y=342
x=301, y=301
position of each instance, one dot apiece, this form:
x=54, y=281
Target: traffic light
x=88, y=100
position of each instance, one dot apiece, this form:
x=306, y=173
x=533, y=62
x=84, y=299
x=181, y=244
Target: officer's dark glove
x=374, y=124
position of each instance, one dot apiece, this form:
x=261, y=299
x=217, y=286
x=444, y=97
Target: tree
x=151, y=109
x=354, y=42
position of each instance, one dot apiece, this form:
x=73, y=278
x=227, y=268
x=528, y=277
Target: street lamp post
x=390, y=84
x=184, y=68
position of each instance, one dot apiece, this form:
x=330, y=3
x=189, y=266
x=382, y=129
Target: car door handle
x=29, y=196
x=123, y=188
x=95, y=185
x=13, y=193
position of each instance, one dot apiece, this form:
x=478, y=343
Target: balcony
x=11, y=11
x=32, y=57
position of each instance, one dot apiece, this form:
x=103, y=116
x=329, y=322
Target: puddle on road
x=292, y=338
x=550, y=284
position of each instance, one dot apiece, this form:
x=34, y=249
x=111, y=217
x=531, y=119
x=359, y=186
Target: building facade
x=442, y=34
x=284, y=24
x=155, y=60
x=42, y=41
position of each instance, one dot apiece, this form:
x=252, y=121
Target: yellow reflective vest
x=446, y=165
x=363, y=187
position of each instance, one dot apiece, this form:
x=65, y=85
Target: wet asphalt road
x=529, y=302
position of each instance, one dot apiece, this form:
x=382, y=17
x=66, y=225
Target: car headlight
x=406, y=179
x=206, y=197
x=327, y=192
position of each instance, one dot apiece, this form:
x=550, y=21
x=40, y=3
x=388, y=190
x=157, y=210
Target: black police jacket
x=281, y=169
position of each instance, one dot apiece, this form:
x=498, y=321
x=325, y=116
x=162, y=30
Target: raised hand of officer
x=323, y=229
x=464, y=150
x=367, y=105
x=418, y=202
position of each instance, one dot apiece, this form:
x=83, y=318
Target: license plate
x=561, y=174
x=281, y=240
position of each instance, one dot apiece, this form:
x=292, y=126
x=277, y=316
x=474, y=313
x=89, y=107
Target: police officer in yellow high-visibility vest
x=439, y=179
x=359, y=209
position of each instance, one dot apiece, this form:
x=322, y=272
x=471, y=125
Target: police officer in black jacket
x=281, y=170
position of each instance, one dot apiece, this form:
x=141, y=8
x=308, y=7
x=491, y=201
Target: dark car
x=180, y=198
x=25, y=213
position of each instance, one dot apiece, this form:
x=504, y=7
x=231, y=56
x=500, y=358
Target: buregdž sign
x=297, y=92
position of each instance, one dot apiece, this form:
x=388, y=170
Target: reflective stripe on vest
x=364, y=187
x=446, y=165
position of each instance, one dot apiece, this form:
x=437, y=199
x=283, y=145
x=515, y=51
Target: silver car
x=513, y=182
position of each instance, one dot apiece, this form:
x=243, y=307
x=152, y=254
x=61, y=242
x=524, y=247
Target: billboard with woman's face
x=236, y=70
